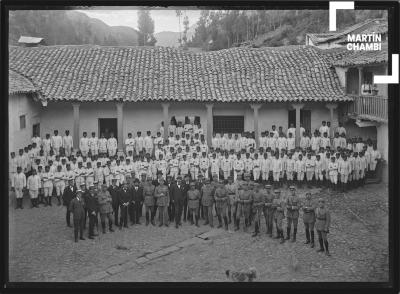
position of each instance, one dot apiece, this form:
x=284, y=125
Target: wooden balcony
x=373, y=108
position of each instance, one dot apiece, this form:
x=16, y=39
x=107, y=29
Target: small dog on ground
x=242, y=276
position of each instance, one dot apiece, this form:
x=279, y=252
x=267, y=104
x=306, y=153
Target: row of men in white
x=58, y=171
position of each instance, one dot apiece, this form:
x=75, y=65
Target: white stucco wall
x=21, y=105
x=383, y=140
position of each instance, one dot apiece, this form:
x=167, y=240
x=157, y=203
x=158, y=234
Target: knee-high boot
x=147, y=218
x=110, y=223
x=294, y=235
x=312, y=239
x=326, y=248
x=307, y=236
x=287, y=233
x=103, y=226
x=321, y=245
x=220, y=222
x=226, y=222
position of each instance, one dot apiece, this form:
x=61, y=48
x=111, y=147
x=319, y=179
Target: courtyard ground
x=41, y=248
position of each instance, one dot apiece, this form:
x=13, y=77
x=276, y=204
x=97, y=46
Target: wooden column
x=255, y=108
x=332, y=107
x=75, y=107
x=120, y=124
x=359, y=80
x=298, y=107
x=346, y=73
x=165, y=107
x=210, y=126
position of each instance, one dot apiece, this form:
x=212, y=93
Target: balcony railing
x=370, y=107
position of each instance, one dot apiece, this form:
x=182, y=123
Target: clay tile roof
x=18, y=84
x=99, y=73
x=352, y=58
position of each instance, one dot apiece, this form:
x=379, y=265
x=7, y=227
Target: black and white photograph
x=198, y=144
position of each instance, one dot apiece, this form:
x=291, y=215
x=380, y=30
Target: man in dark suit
x=185, y=201
x=178, y=195
x=68, y=195
x=137, y=201
x=171, y=207
x=92, y=209
x=124, y=197
x=113, y=189
x=76, y=206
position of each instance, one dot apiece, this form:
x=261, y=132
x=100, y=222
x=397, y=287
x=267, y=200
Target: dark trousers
x=84, y=219
x=116, y=209
x=78, y=226
x=185, y=209
x=178, y=207
x=131, y=212
x=68, y=217
x=124, y=216
x=201, y=211
x=171, y=211
x=92, y=222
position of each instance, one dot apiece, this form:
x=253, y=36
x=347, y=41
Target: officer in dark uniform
x=258, y=205
x=136, y=202
x=207, y=199
x=279, y=215
x=309, y=219
x=149, y=201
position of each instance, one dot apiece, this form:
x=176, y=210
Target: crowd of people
x=183, y=175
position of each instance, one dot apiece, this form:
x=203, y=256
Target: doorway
x=108, y=126
x=305, y=118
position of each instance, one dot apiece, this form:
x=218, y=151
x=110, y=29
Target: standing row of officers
x=243, y=202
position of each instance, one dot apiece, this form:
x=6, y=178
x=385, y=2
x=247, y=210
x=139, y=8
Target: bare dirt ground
x=41, y=248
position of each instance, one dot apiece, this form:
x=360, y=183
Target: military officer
x=92, y=208
x=113, y=189
x=193, y=203
x=76, y=207
x=221, y=204
x=244, y=205
x=232, y=190
x=258, y=205
x=105, y=207
x=268, y=209
x=279, y=215
x=309, y=219
x=322, y=223
x=149, y=201
x=292, y=213
x=161, y=193
x=124, y=198
x=207, y=200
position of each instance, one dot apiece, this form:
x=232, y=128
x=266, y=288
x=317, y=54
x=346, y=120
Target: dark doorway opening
x=36, y=130
x=305, y=118
x=228, y=124
x=352, y=77
x=108, y=126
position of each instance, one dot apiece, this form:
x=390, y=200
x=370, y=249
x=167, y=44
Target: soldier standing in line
x=105, y=201
x=148, y=194
x=77, y=208
x=268, y=209
x=113, y=189
x=193, y=203
x=279, y=215
x=161, y=193
x=322, y=223
x=258, y=205
x=207, y=200
x=232, y=190
x=244, y=204
x=309, y=219
x=292, y=213
x=221, y=204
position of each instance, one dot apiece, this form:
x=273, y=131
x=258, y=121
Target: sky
x=164, y=19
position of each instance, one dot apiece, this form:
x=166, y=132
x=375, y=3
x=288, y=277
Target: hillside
x=171, y=39
x=61, y=27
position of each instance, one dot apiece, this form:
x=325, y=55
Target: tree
x=146, y=28
x=178, y=15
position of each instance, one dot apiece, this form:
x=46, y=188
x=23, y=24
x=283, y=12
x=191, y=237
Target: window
x=228, y=124
x=367, y=85
x=36, y=130
x=22, y=122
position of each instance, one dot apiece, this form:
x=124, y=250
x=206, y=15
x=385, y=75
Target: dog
x=242, y=276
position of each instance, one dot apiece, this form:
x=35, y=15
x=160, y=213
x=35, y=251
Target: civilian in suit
x=178, y=194
x=76, y=206
x=68, y=195
x=185, y=201
x=171, y=207
x=113, y=189
x=92, y=207
x=124, y=197
x=137, y=202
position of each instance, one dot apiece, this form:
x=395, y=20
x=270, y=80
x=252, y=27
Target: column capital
x=255, y=106
x=119, y=104
x=331, y=105
x=165, y=104
x=209, y=105
x=76, y=104
x=297, y=105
